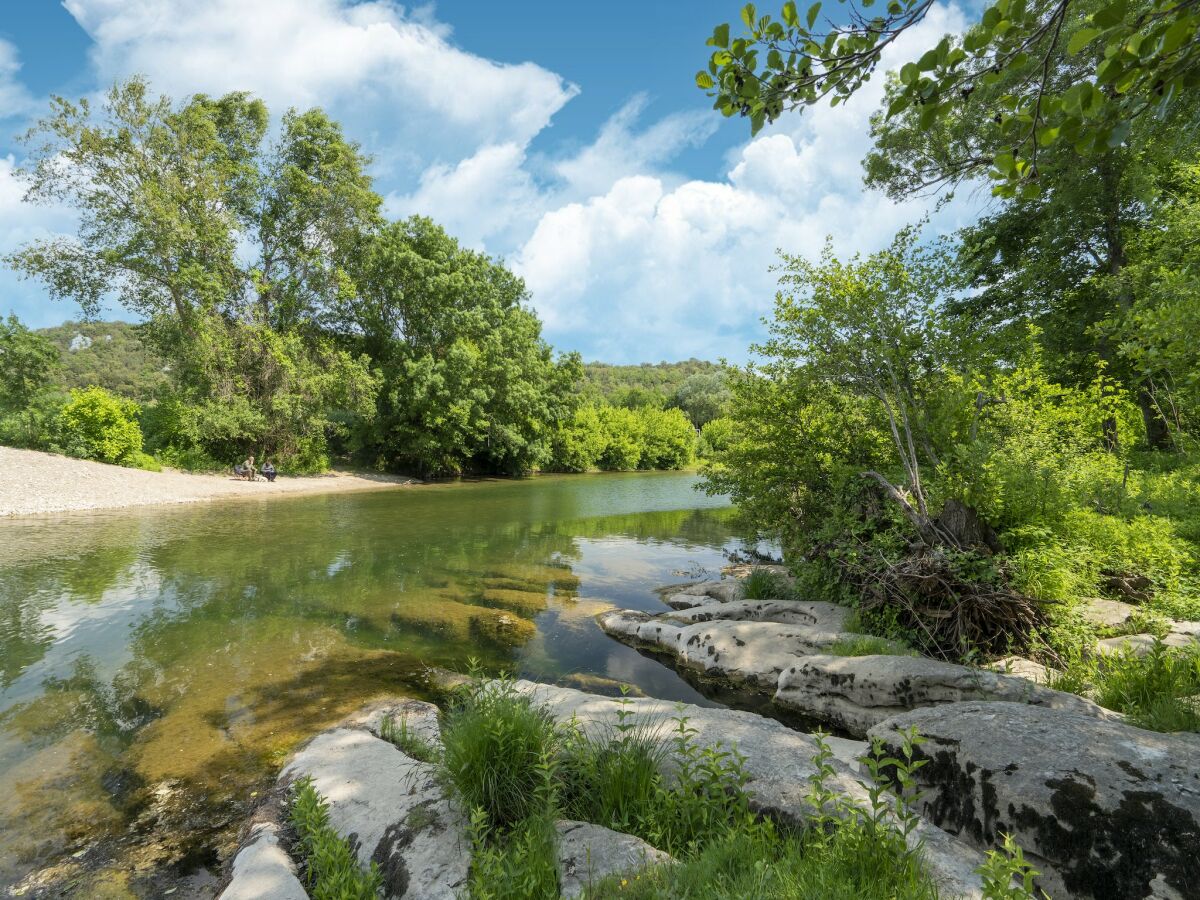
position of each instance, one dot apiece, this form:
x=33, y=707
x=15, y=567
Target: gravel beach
x=33, y=483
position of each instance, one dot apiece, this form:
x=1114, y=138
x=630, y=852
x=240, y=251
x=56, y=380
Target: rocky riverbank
x=1101, y=809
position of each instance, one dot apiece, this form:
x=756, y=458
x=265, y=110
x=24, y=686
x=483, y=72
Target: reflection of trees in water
x=267, y=622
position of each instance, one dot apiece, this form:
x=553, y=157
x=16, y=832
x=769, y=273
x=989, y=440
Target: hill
x=612, y=382
x=108, y=354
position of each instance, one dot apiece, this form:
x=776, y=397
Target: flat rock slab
x=701, y=592
x=1105, y=810
x=262, y=869
x=1107, y=613
x=420, y=719
x=588, y=853
x=821, y=616
x=392, y=810
x=1021, y=667
x=1141, y=644
x=752, y=653
x=778, y=761
x=855, y=693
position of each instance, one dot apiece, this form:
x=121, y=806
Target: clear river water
x=157, y=665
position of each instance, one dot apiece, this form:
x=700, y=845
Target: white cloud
x=14, y=98
x=674, y=271
x=385, y=71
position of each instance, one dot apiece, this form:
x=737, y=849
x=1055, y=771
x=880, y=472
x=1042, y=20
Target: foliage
x=613, y=384
x=1126, y=59
x=716, y=436
x=331, y=871
x=625, y=436
x=622, y=439
x=1156, y=690
x=112, y=355
x=468, y=383
x=521, y=864
x=868, y=645
x=28, y=364
x=703, y=397
x=409, y=743
x=668, y=441
x=765, y=584
x=94, y=424
x=1004, y=866
x=578, y=443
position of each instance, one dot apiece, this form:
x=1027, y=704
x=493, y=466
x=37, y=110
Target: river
x=157, y=665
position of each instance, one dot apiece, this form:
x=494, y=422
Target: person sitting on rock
x=269, y=470
x=248, y=467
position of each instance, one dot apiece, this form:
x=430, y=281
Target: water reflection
x=156, y=666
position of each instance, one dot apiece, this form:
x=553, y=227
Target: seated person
x=268, y=470
x=248, y=467
x=239, y=471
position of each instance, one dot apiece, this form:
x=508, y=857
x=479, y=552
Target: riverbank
x=34, y=483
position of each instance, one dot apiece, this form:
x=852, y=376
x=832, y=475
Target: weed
x=1004, y=867
x=408, y=742
x=869, y=645
x=765, y=584
x=331, y=871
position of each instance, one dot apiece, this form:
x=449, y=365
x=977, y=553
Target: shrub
x=717, y=436
x=764, y=584
x=331, y=871
x=495, y=742
x=624, y=438
x=577, y=444
x=95, y=424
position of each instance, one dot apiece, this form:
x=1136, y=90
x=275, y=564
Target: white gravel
x=33, y=483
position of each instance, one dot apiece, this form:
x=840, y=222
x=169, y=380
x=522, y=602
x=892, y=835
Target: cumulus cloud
x=392, y=74
x=14, y=98
x=685, y=270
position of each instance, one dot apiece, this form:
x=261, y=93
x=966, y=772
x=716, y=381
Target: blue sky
x=567, y=139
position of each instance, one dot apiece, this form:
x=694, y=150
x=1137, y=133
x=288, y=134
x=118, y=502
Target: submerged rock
x=857, y=692
x=777, y=760
x=700, y=592
x=1103, y=809
x=262, y=869
x=588, y=853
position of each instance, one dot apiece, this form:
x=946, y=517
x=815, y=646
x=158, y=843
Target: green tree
x=702, y=397
x=624, y=438
x=1134, y=57
x=28, y=364
x=232, y=251
x=578, y=442
x=1053, y=258
x=95, y=424
x=468, y=382
x=668, y=439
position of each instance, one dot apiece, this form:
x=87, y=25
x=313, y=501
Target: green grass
x=517, y=770
x=330, y=869
x=1157, y=691
x=869, y=645
x=407, y=742
x=763, y=584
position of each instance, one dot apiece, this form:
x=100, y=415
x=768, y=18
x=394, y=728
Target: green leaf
x=813, y=12
x=749, y=14
x=1081, y=39
x=1113, y=14
x=774, y=59
x=1005, y=163
x=720, y=36
x=790, y=15
x=704, y=80
x=909, y=73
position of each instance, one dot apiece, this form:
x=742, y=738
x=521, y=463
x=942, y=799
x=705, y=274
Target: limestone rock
x=262, y=870
x=857, y=692
x=419, y=718
x=822, y=616
x=1021, y=667
x=1103, y=809
x=702, y=592
x=588, y=853
x=753, y=653
x=1141, y=644
x=1107, y=613
x=778, y=761
x=392, y=809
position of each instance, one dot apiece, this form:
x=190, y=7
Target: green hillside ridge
x=108, y=354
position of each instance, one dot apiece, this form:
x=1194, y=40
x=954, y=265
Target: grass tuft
x=869, y=645
x=764, y=584
x=407, y=742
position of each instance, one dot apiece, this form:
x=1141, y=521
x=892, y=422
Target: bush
x=717, y=436
x=624, y=439
x=577, y=444
x=764, y=584
x=95, y=424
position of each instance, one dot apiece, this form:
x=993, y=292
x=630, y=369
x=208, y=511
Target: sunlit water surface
x=157, y=665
